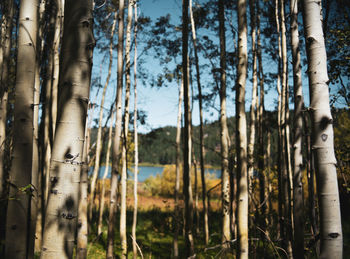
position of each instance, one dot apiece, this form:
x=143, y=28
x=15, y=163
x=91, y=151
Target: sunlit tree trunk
x=322, y=131
x=224, y=138
x=67, y=151
x=19, y=221
x=187, y=189
x=123, y=183
x=241, y=134
x=103, y=190
x=99, y=131
x=116, y=143
x=201, y=140
x=136, y=155
x=177, y=177
x=298, y=209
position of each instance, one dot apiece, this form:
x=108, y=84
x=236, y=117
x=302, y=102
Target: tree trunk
x=66, y=161
x=136, y=155
x=187, y=189
x=18, y=225
x=177, y=177
x=254, y=94
x=201, y=134
x=102, y=198
x=82, y=228
x=224, y=139
x=123, y=183
x=241, y=134
x=298, y=207
x=322, y=131
x=99, y=131
x=4, y=79
x=116, y=145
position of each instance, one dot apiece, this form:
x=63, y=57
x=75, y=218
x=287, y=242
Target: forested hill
x=158, y=146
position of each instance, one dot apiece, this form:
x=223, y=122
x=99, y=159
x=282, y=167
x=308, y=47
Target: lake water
x=147, y=171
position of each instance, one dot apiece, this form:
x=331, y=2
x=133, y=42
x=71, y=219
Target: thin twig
x=138, y=248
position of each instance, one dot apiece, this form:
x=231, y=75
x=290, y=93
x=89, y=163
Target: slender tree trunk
x=99, y=131
x=103, y=190
x=4, y=79
x=19, y=221
x=254, y=94
x=82, y=228
x=116, y=145
x=201, y=134
x=285, y=139
x=224, y=139
x=322, y=131
x=298, y=208
x=136, y=155
x=123, y=183
x=66, y=161
x=177, y=177
x=187, y=189
x=261, y=130
x=241, y=134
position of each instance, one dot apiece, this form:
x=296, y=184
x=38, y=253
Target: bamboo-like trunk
x=123, y=183
x=187, y=189
x=116, y=145
x=241, y=134
x=201, y=134
x=224, y=139
x=4, y=79
x=136, y=155
x=67, y=151
x=322, y=131
x=19, y=222
x=99, y=131
x=103, y=190
x=298, y=208
x=177, y=176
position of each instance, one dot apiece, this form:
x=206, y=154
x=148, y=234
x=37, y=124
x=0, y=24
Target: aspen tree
x=254, y=93
x=187, y=189
x=224, y=138
x=18, y=226
x=123, y=183
x=298, y=208
x=6, y=43
x=201, y=134
x=67, y=151
x=99, y=131
x=116, y=143
x=331, y=236
x=241, y=134
x=177, y=176
x=285, y=137
x=103, y=190
x=136, y=155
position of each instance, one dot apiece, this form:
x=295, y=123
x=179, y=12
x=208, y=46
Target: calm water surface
x=147, y=171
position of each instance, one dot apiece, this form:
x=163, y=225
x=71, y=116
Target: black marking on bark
x=334, y=235
x=54, y=191
x=324, y=137
x=14, y=227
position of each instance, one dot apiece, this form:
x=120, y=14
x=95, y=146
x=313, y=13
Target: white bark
x=241, y=134
x=67, y=151
x=322, y=131
x=18, y=235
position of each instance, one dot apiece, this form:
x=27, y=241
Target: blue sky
x=161, y=103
